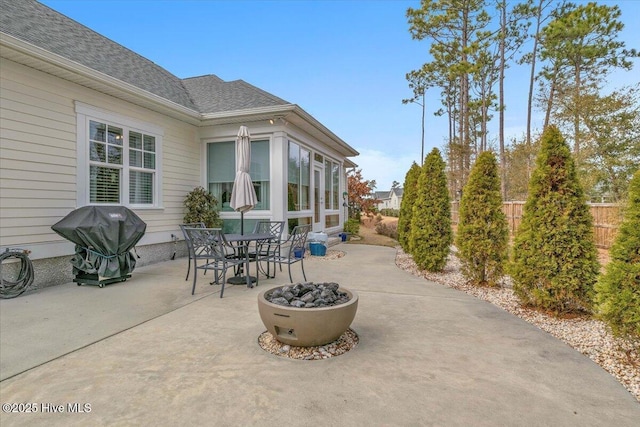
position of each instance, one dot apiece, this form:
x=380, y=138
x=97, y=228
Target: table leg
x=239, y=279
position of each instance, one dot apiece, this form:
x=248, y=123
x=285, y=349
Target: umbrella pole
x=240, y=277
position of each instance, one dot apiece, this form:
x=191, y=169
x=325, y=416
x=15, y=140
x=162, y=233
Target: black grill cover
x=104, y=237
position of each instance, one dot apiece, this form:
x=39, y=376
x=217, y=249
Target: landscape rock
x=308, y=295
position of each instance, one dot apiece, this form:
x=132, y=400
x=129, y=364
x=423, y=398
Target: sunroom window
x=298, y=182
x=332, y=185
x=221, y=172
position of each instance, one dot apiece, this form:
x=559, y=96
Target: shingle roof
x=381, y=195
x=213, y=95
x=41, y=26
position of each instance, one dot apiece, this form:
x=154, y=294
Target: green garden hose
x=13, y=288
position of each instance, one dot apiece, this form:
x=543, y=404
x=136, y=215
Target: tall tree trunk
x=452, y=126
x=534, y=56
x=461, y=131
x=503, y=163
x=576, y=114
x=466, y=122
x=424, y=106
x=452, y=137
x=547, y=116
x=483, y=129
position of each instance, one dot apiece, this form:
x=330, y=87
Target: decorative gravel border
x=621, y=358
x=347, y=341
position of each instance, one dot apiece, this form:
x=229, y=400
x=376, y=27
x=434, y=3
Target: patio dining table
x=241, y=243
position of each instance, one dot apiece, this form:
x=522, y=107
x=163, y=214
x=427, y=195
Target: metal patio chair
x=212, y=251
x=290, y=251
x=264, y=248
x=189, y=246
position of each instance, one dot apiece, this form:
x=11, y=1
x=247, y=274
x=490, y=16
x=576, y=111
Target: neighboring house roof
x=212, y=95
x=385, y=196
x=43, y=27
x=398, y=191
x=382, y=195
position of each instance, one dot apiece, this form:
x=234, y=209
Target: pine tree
x=482, y=235
x=618, y=290
x=406, y=205
x=555, y=260
x=431, y=236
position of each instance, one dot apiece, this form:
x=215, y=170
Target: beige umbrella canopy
x=243, y=195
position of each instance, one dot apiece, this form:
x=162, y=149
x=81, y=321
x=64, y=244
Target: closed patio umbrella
x=243, y=195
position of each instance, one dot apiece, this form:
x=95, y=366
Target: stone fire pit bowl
x=307, y=327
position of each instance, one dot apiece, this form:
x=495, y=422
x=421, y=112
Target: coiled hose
x=13, y=288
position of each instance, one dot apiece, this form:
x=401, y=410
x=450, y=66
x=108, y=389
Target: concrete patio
x=146, y=352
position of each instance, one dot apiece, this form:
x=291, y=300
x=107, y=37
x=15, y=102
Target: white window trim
x=306, y=147
x=340, y=182
x=204, y=179
x=85, y=113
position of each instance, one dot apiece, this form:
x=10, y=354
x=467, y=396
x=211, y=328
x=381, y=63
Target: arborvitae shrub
x=618, y=290
x=431, y=236
x=406, y=205
x=554, y=255
x=482, y=235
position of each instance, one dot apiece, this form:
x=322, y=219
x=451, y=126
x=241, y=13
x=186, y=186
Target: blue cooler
x=317, y=249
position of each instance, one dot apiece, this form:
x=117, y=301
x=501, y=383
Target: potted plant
x=201, y=206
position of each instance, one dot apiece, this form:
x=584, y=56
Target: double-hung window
x=122, y=165
x=119, y=161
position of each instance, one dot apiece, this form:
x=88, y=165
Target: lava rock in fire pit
x=308, y=295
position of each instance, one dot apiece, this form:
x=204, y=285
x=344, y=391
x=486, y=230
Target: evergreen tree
x=581, y=47
x=618, y=290
x=431, y=235
x=406, y=205
x=482, y=235
x=555, y=260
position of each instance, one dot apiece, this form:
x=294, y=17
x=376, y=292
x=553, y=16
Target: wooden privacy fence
x=606, y=218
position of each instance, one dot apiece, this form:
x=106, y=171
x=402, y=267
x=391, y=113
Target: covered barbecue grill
x=104, y=237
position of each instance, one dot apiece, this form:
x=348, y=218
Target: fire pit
x=307, y=322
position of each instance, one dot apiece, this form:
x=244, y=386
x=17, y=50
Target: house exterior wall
x=395, y=201
x=278, y=136
x=390, y=202
x=39, y=160
x=37, y=152
x=42, y=179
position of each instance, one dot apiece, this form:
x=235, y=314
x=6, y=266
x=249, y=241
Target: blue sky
x=342, y=61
